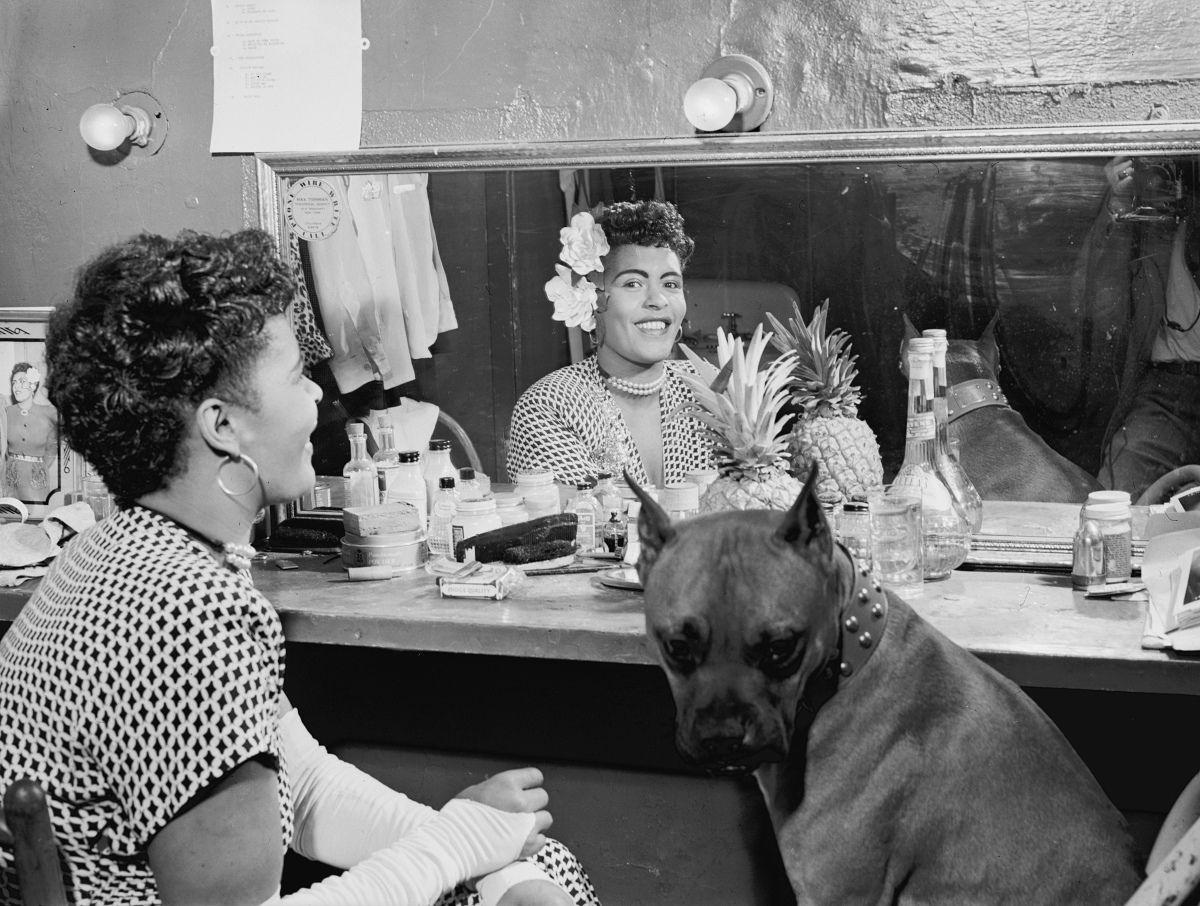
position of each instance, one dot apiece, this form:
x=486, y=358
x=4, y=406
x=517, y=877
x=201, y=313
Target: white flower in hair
x=574, y=303
x=584, y=244
x=33, y=376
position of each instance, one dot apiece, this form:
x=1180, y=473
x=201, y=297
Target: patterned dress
x=569, y=423
x=139, y=673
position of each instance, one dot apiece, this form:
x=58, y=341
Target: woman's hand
x=518, y=790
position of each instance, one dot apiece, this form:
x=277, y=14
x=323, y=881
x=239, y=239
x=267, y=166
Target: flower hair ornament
x=33, y=376
x=574, y=296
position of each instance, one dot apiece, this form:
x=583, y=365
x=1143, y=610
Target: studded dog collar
x=861, y=623
x=971, y=395
x=863, y=619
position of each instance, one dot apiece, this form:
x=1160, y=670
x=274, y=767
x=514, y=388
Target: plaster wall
x=535, y=70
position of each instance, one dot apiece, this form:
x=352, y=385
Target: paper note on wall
x=287, y=75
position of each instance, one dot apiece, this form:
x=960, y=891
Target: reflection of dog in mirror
x=897, y=768
x=1000, y=453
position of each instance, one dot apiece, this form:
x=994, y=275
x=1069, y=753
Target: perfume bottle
x=956, y=478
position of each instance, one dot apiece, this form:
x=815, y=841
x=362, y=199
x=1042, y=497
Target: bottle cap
x=355, y=429
x=633, y=510
x=603, y=476
x=852, y=507
x=542, y=477
x=505, y=501
x=1109, y=497
x=476, y=506
x=683, y=495
x=582, y=486
x=934, y=332
x=466, y=474
x=439, y=444
x=446, y=481
x=1106, y=511
x=410, y=456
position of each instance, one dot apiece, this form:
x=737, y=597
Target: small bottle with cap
x=681, y=500
x=1111, y=513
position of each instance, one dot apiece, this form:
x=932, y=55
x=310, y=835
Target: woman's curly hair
x=654, y=224
x=155, y=326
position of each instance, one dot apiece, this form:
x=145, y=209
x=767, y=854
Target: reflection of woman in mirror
x=612, y=411
x=30, y=471
x=142, y=684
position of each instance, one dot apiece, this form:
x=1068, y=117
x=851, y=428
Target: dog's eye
x=678, y=651
x=778, y=653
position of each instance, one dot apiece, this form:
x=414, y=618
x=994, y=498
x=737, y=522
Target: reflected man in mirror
x=1155, y=426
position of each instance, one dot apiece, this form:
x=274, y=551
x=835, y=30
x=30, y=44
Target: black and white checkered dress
x=569, y=423
x=139, y=673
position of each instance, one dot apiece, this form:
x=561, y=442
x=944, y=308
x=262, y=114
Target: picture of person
x=31, y=439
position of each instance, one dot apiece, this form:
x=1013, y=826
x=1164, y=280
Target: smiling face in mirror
x=645, y=307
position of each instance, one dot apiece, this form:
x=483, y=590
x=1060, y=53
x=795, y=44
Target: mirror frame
x=1152, y=138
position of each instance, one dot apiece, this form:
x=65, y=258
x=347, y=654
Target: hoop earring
x=241, y=457
x=679, y=333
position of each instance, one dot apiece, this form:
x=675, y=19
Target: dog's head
x=742, y=609
x=965, y=359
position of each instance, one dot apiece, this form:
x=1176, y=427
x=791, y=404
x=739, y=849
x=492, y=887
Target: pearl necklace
x=233, y=555
x=634, y=389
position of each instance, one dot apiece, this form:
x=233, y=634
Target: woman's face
x=645, y=303
x=276, y=434
x=22, y=390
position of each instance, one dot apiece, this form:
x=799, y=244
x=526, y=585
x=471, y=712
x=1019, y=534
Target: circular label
x=312, y=208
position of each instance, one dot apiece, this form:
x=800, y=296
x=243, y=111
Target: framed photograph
x=36, y=466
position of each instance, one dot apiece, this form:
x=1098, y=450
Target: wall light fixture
x=734, y=95
x=135, y=118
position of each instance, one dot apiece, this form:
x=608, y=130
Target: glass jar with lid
x=539, y=492
x=473, y=517
x=511, y=509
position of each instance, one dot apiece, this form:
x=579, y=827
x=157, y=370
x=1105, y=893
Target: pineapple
x=829, y=433
x=739, y=406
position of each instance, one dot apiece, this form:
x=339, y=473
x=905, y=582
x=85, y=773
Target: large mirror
x=1012, y=241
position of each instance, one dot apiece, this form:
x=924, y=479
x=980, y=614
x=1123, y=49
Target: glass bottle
x=437, y=466
x=469, y=487
x=610, y=516
x=953, y=474
x=441, y=519
x=362, y=477
x=583, y=505
x=945, y=531
x=633, y=544
x=409, y=484
x=387, y=462
x=95, y=494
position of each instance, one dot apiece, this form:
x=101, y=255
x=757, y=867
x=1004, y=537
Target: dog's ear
x=804, y=527
x=910, y=332
x=987, y=345
x=654, y=528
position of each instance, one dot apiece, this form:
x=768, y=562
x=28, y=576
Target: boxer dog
x=897, y=768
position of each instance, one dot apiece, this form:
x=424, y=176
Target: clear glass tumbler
x=896, y=539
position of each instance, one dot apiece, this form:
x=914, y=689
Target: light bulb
x=104, y=127
x=710, y=104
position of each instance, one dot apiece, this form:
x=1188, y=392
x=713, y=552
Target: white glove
x=402, y=853
x=342, y=814
x=465, y=840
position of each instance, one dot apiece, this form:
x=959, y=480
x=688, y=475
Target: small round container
x=1115, y=521
x=681, y=499
x=399, y=550
x=539, y=493
x=473, y=517
x=511, y=509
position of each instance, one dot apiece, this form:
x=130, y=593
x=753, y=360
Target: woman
x=32, y=449
x=142, y=684
x=613, y=411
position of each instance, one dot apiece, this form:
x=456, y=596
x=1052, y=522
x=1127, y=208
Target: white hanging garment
x=424, y=293
x=347, y=301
